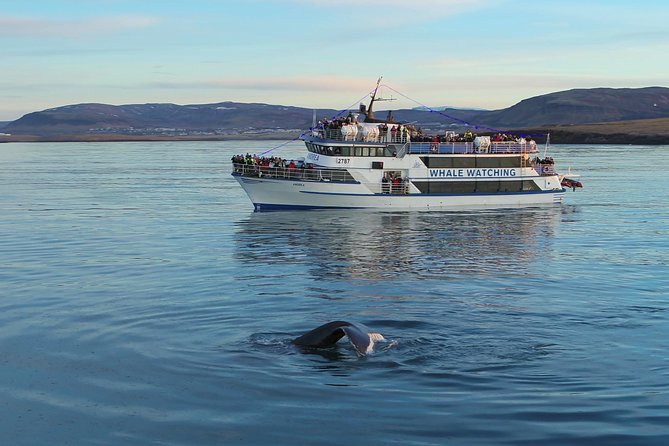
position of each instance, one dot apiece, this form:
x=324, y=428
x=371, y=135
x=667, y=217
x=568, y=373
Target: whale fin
x=360, y=336
x=324, y=336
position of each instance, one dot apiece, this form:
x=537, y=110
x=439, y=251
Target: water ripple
x=142, y=301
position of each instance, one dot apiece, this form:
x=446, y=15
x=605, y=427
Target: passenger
x=385, y=185
x=396, y=185
x=383, y=132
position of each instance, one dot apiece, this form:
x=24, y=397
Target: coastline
x=558, y=136
x=638, y=132
x=156, y=138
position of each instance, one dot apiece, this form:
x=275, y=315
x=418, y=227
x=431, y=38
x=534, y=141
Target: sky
x=323, y=53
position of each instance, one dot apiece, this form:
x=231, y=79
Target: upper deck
x=333, y=143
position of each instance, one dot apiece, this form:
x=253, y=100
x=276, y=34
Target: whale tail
x=327, y=335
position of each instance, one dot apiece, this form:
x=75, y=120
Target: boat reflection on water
x=382, y=245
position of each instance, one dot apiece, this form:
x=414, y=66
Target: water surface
x=143, y=302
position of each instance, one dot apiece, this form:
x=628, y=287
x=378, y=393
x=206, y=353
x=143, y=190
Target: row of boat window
x=472, y=187
x=350, y=150
x=463, y=162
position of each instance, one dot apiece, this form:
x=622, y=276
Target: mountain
x=234, y=119
x=446, y=108
x=221, y=118
x=584, y=106
x=639, y=132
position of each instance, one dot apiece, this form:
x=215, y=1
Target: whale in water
x=361, y=337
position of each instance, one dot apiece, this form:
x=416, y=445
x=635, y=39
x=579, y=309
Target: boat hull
x=269, y=194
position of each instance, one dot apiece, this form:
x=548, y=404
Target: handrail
x=336, y=135
x=403, y=150
x=309, y=174
x=544, y=169
x=389, y=188
x=428, y=147
x=459, y=147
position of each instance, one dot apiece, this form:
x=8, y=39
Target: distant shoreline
x=557, y=136
x=147, y=138
x=636, y=132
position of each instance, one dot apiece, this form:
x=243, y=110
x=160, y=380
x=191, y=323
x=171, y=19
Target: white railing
x=336, y=135
x=545, y=169
x=461, y=147
x=310, y=174
x=403, y=150
x=389, y=188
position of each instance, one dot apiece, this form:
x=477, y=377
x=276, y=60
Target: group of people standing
x=395, y=133
x=393, y=184
x=274, y=161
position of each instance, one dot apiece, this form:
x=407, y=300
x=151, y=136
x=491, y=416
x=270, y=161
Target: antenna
x=548, y=138
x=373, y=95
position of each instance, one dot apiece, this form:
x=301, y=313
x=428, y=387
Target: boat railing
x=389, y=188
x=427, y=147
x=460, y=147
x=336, y=134
x=296, y=173
x=403, y=150
x=544, y=169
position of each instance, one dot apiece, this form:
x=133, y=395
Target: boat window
x=498, y=161
x=529, y=185
x=464, y=162
x=365, y=151
x=449, y=162
x=511, y=186
x=357, y=151
x=446, y=187
x=487, y=186
x=344, y=151
x=471, y=187
x=456, y=162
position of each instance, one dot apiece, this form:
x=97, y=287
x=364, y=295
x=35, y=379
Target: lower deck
x=424, y=181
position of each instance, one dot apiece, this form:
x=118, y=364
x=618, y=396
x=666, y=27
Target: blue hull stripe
x=286, y=207
x=495, y=194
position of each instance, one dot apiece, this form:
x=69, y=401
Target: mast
x=370, y=112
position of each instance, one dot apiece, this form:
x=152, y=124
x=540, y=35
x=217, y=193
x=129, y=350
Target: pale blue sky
x=323, y=53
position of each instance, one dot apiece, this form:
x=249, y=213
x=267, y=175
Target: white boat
x=363, y=162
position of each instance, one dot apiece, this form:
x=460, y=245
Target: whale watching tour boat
x=360, y=161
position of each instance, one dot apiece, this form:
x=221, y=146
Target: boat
x=360, y=161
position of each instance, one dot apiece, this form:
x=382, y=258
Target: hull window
x=472, y=187
x=483, y=162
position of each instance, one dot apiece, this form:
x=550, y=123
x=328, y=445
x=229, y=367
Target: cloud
x=15, y=26
x=298, y=83
x=277, y=83
x=392, y=13
x=389, y=5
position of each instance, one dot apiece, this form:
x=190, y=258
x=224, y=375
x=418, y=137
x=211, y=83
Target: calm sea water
x=143, y=302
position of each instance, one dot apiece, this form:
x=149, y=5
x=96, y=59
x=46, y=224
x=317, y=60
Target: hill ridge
x=225, y=119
